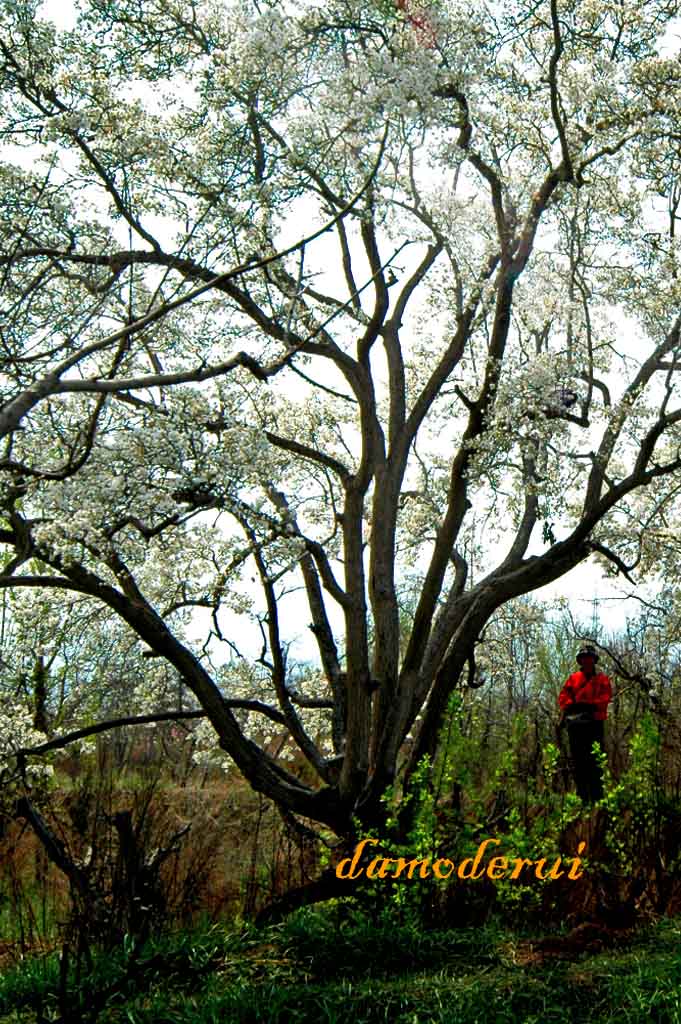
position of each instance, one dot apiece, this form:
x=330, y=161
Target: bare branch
x=555, y=95
x=307, y=452
x=167, y=716
x=613, y=557
x=483, y=168
x=113, y=723
x=13, y=412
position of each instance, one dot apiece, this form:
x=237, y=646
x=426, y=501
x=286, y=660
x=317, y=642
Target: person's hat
x=588, y=650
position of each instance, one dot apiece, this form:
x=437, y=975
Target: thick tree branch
x=307, y=452
x=258, y=767
x=382, y=299
x=555, y=95
x=614, y=429
x=325, y=571
x=59, y=742
x=278, y=669
x=483, y=168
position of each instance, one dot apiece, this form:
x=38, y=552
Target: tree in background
x=455, y=381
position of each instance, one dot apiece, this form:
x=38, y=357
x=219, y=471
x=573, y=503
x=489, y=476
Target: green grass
x=334, y=966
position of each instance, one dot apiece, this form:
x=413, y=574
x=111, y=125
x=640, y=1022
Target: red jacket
x=580, y=690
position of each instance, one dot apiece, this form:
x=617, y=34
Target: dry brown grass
x=236, y=856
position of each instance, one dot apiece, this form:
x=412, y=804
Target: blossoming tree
x=295, y=297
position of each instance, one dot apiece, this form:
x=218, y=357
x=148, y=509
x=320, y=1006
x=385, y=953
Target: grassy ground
x=335, y=966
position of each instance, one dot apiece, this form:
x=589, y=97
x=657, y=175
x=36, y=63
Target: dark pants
x=585, y=767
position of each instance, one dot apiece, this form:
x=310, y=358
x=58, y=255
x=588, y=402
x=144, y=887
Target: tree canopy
x=378, y=304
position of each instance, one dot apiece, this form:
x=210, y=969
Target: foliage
x=515, y=792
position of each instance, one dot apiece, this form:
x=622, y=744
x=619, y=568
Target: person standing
x=584, y=707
